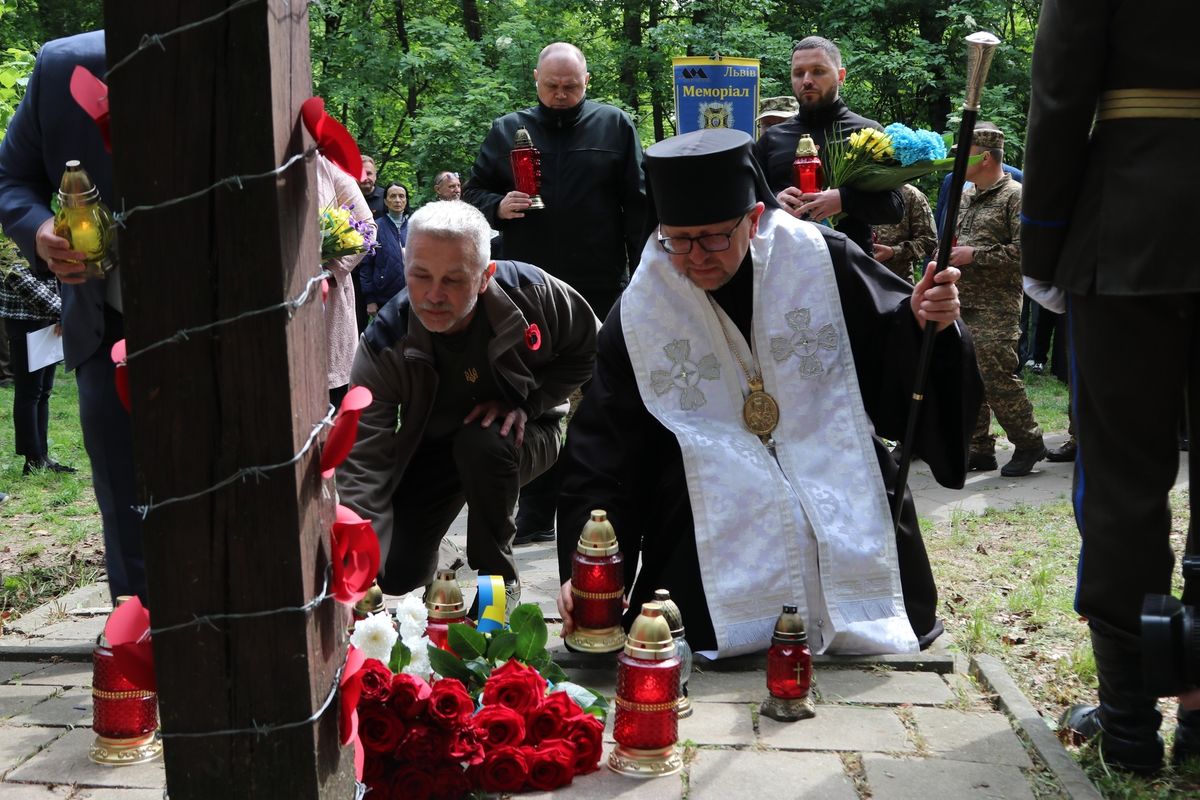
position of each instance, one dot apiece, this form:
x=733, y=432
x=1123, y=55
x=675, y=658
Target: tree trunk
x=223, y=100
x=631, y=30
x=471, y=24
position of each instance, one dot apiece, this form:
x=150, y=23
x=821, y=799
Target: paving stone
x=15, y=671
x=724, y=774
x=116, y=794
x=71, y=708
x=66, y=761
x=715, y=686
x=19, y=699
x=68, y=673
x=718, y=724
x=92, y=596
x=986, y=738
x=838, y=728
x=34, y=791
x=74, y=629
x=18, y=744
x=882, y=687
x=605, y=784
x=923, y=778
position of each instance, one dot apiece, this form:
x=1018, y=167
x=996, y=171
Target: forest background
x=418, y=82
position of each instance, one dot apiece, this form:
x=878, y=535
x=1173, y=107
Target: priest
x=732, y=429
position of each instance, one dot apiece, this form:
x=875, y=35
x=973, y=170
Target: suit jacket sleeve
x=1069, y=61
x=873, y=208
x=633, y=203
x=489, y=182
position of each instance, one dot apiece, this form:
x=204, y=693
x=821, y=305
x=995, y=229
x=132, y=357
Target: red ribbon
x=351, y=686
x=354, y=550
x=128, y=634
x=121, y=374
x=345, y=429
x=333, y=140
x=91, y=94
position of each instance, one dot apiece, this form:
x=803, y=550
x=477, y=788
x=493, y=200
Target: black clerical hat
x=704, y=177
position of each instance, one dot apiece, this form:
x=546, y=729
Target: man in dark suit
x=1102, y=148
x=47, y=130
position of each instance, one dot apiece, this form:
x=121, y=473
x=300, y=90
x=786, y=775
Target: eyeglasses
x=709, y=242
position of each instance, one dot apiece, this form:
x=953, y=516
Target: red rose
x=500, y=725
x=422, y=745
x=376, y=682
x=552, y=765
x=449, y=704
x=379, y=729
x=375, y=767
x=409, y=696
x=586, y=732
x=504, y=769
x=515, y=685
x=463, y=745
x=549, y=720
x=412, y=783
x=450, y=783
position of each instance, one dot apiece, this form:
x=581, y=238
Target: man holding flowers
x=817, y=75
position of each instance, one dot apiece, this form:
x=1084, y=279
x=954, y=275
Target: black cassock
x=618, y=457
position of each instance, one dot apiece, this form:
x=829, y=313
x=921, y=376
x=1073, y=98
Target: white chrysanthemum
x=412, y=616
x=375, y=636
x=419, y=665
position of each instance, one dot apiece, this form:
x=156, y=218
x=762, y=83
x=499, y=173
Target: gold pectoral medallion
x=760, y=412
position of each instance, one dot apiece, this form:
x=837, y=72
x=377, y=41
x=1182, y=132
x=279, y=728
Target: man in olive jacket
x=470, y=367
x=1110, y=196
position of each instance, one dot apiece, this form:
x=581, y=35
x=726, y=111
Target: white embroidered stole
x=812, y=527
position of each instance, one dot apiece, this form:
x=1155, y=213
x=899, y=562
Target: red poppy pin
x=533, y=337
x=333, y=140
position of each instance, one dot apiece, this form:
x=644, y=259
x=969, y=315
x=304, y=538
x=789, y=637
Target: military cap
x=782, y=107
x=991, y=138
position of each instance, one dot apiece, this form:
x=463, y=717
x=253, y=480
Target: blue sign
x=716, y=93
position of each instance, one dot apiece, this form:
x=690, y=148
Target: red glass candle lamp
x=526, y=163
x=646, y=725
x=444, y=605
x=807, y=172
x=789, y=670
x=124, y=717
x=682, y=648
x=597, y=586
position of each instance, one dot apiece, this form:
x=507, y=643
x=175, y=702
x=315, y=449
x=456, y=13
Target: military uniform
x=912, y=238
x=1110, y=201
x=990, y=290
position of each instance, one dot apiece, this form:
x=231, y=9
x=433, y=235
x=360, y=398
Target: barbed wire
x=243, y=473
x=209, y=619
x=156, y=39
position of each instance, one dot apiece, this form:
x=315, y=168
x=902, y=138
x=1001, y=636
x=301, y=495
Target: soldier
x=774, y=110
x=911, y=241
x=989, y=254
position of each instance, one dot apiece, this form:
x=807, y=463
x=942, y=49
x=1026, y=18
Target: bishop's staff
x=981, y=47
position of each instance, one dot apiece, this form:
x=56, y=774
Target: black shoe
x=1065, y=453
x=1082, y=723
x=1023, y=460
x=529, y=537
x=44, y=463
x=982, y=462
x=1187, y=738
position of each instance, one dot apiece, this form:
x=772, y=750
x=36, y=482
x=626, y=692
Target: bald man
x=590, y=232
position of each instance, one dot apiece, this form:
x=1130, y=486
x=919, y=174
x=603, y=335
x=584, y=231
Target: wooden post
x=215, y=101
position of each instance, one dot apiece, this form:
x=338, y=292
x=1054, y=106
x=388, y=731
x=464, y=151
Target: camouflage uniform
x=912, y=238
x=990, y=291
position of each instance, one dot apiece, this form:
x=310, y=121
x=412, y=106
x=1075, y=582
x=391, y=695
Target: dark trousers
x=1127, y=400
x=108, y=438
x=477, y=467
x=31, y=392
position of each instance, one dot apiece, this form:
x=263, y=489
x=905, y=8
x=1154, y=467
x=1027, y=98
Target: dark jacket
x=1108, y=209
x=589, y=233
x=381, y=274
x=395, y=361
x=776, y=149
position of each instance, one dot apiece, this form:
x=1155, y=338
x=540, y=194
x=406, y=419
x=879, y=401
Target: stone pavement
x=888, y=728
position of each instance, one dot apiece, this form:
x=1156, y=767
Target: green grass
x=1049, y=397
x=51, y=539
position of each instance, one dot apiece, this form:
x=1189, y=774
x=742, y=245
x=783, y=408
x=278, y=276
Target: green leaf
x=449, y=665
x=585, y=698
x=400, y=658
x=502, y=648
x=466, y=641
x=553, y=673
x=480, y=668
x=527, y=623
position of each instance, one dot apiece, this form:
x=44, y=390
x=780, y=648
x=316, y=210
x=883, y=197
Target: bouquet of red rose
x=481, y=728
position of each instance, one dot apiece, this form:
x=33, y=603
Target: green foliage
x=15, y=66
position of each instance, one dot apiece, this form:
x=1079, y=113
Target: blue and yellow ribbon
x=492, y=602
